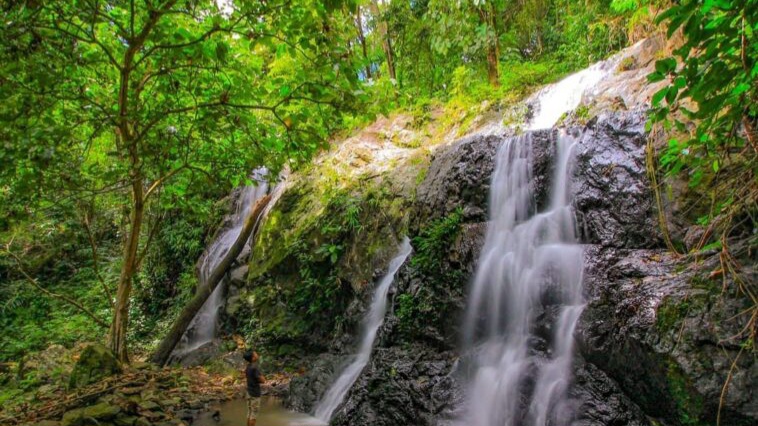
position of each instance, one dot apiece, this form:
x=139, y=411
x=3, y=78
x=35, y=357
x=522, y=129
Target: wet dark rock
x=612, y=196
x=306, y=390
x=600, y=401
x=202, y=355
x=400, y=386
x=656, y=340
x=665, y=331
x=95, y=363
x=459, y=176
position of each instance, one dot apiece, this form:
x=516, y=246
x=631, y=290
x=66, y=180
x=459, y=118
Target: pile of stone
x=102, y=392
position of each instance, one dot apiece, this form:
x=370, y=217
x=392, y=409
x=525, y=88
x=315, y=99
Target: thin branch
x=65, y=298
x=160, y=117
x=162, y=179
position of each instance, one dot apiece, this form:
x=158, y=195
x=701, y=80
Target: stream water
x=234, y=413
x=373, y=320
x=202, y=329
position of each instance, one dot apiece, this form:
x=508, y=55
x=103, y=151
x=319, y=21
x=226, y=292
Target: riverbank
x=142, y=394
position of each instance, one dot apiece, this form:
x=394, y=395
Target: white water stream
x=202, y=329
x=530, y=268
x=373, y=320
x=557, y=99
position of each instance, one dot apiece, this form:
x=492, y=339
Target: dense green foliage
x=115, y=106
x=157, y=102
x=483, y=49
x=713, y=83
x=429, y=262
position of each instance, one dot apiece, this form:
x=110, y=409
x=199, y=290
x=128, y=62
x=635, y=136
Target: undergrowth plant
x=709, y=106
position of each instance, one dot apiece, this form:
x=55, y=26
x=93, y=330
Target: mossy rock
x=95, y=362
x=125, y=420
x=99, y=413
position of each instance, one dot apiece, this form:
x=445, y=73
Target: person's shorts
x=253, y=406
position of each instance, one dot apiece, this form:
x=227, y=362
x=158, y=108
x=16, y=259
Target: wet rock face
x=653, y=341
x=600, y=402
x=460, y=175
x=664, y=330
x=306, y=390
x=400, y=386
x=612, y=198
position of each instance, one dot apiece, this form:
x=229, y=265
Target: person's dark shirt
x=253, y=375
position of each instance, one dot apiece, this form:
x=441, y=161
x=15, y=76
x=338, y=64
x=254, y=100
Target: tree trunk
x=492, y=65
x=493, y=48
x=362, y=39
x=390, y=54
x=169, y=342
x=385, y=36
x=120, y=322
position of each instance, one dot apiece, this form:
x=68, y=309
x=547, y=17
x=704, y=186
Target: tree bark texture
x=249, y=228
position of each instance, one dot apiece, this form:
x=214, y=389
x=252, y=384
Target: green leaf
x=659, y=95
x=740, y=89
x=654, y=77
x=680, y=82
x=665, y=66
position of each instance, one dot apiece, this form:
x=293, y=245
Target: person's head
x=250, y=356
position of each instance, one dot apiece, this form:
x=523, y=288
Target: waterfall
x=557, y=99
x=371, y=323
x=530, y=269
x=202, y=329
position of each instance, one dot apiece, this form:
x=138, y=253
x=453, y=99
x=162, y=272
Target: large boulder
x=95, y=363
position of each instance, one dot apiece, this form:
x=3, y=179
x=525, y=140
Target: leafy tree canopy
x=178, y=92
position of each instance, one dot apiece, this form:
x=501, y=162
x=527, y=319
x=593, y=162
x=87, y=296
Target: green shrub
x=434, y=241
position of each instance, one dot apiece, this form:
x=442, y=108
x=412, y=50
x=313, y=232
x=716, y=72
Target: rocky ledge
x=656, y=342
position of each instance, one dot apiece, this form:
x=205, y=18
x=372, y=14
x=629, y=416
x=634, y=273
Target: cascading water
x=530, y=268
x=373, y=320
x=202, y=329
x=557, y=99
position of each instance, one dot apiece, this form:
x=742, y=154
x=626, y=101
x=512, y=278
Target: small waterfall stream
x=202, y=329
x=373, y=320
x=530, y=269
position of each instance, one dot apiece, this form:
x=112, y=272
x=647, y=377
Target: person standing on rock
x=254, y=381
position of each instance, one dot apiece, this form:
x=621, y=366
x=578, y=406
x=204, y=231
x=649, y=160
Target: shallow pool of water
x=234, y=413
